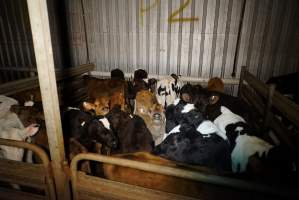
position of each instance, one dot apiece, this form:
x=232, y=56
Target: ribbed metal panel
x=16, y=46
x=131, y=34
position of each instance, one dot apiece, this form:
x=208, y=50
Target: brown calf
x=148, y=108
x=216, y=84
x=167, y=183
x=104, y=94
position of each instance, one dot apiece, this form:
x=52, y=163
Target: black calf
x=87, y=129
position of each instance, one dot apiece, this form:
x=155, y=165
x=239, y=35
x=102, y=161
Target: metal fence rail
x=28, y=174
x=181, y=173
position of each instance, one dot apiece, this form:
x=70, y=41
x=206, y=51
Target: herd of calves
x=159, y=121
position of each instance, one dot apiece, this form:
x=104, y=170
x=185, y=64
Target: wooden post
x=39, y=21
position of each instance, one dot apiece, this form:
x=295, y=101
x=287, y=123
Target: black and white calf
x=87, y=129
x=245, y=146
x=193, y=139
x=241, y=138
x=168, y=89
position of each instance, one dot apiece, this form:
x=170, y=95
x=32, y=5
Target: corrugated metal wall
x=196, y=38
x=200, y=40
x=16, y=49
x=16, y=46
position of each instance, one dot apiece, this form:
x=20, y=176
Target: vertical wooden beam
x=39, y=21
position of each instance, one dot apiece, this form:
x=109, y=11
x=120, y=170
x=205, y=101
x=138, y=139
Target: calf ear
x=152, y=84
x=88, y=106
x=32, y=129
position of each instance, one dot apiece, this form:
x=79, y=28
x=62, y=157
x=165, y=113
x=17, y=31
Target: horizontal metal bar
x=182, y=78
x=29, y=83
x=39, y=151
x=181, y=173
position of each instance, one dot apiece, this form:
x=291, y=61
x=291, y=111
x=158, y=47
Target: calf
x=87, y=130
x=33, y=115
x=104, y=94
x=245, y=145
x=194, y=140
x=5, y=105
x=216, y=84
x=101, y=105
x=141, y=82
x=33, y=95
x=147, y=107
x=209, y=103
x=131, y=130
x=168, y=89
x=149, y=179
x=117, y=74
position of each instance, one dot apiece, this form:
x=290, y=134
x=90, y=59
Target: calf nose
x=114, y=144
x=157, y=116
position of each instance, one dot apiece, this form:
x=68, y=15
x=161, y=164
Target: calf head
x=100, y=131
x=168, y=90
x=117, y=74
x=29, y=114
x=117, y=118
x=186, y=92
x=140, y=74
x=5, y=104
x=146, y=105
x=100, y=105
x=216, y=84
x=118, y=98
x=202, y=98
